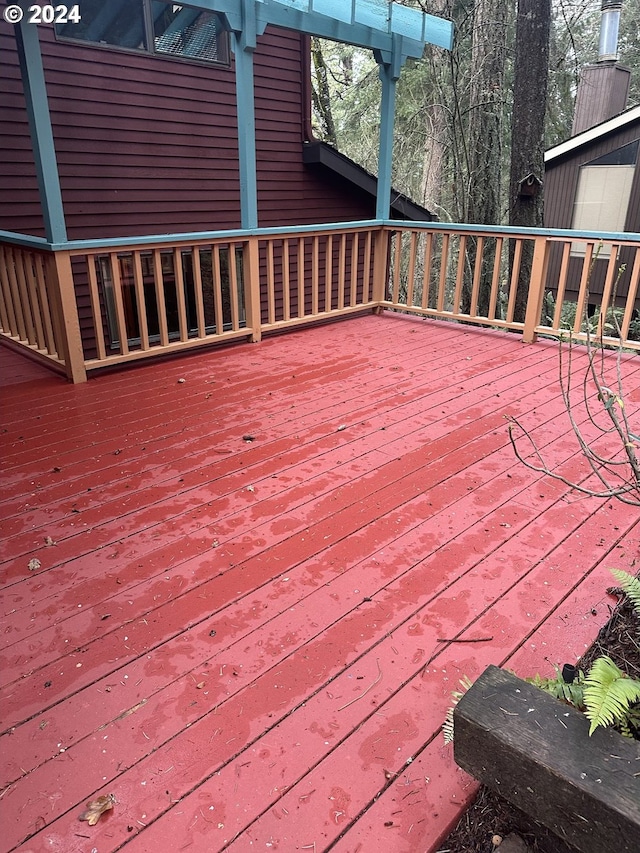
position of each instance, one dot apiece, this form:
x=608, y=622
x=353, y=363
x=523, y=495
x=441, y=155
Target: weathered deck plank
x=235, y=622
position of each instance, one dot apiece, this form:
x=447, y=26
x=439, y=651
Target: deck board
x=241, y=639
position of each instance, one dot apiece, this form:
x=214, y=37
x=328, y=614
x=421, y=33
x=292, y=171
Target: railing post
x=251, y=285
x=536, y=289
x=380, y=266
x=64, y=310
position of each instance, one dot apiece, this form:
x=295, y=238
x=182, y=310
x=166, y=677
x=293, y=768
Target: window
x=168, y=29
x=602, y=197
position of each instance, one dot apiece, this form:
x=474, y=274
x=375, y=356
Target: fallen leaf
x=34, y=564
x=96, y=808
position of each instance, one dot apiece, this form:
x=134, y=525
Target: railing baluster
x=397, y=266
x=353, y=282
x=607, y=290
x=315, y=274
x=328, y=274
x=233, y=288
x=462, y=257
x=631, y=295
x=477, y=276
x=341, y=271
x=495, y=278
x=411, y=272
x=19, y=327
x=515, y=277
x=95, y=307
x=286, y=289
x=366, y=280
x=217, y=288
x=117, y=295
x=301, y=274
x=49, y=338
x=562, y=284
x=426, y=272
x=141, y=302
x=160, y=298
x=180, y=295
x=271, y=296
x=584, y=287
x=444, y=262
x=197, y=285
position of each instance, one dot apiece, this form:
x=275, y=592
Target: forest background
x=469, y=121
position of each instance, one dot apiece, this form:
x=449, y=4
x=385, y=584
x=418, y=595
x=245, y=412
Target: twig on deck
x=473, y=640
x=370, y=687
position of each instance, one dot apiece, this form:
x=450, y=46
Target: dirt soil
x=490, y=815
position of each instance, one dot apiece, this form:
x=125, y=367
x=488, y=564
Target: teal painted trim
x=509, y=230
x=24, y=240
x=623, y=237
x=182, y=238
x=247, y=160
x=39, y=118
x=385, y=145
x=342, y=20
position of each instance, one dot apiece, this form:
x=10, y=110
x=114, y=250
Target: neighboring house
x=145, y=129
x=592, y=180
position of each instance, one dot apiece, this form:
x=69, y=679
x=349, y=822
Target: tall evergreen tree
x=533, y=26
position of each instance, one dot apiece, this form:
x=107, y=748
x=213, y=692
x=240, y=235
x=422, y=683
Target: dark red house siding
x=148, y=145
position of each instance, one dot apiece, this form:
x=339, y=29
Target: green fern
x=630, y=585
x=609, y=695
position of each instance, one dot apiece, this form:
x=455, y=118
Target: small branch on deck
x=472, y=640
x=370, y=687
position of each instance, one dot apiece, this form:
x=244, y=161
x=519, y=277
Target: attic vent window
x=602, y=197
x=168, y=29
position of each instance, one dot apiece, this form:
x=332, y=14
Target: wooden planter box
x=535, y=752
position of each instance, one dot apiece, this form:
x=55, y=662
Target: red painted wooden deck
x=252, y=564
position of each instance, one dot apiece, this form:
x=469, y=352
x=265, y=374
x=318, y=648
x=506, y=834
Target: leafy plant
x=570, y=692
x=456, y=696
x=609, y=696
x=606, y=695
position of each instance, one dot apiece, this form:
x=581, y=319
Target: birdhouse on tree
x=529, y=186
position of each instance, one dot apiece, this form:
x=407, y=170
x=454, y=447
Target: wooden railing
x=542, y=282
x=87, y=305
x=32, y=313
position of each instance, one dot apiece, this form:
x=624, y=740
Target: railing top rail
x=186, y=239
x=178, y=239
x=625, y=237
x=25, y=240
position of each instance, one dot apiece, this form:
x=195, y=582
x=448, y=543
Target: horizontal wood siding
x=19, y=201
x=148, y=145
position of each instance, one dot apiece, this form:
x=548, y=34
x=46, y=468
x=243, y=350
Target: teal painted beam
x=44, y=152
x=364, y=23
x=389, y=73
x=243, y=45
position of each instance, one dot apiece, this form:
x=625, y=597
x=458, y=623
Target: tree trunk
x=321, y=95
x=533, y=25
x=484, y=137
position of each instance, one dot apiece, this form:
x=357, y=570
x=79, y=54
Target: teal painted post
x=243, y=46
x=385, y=155
x=44, y=152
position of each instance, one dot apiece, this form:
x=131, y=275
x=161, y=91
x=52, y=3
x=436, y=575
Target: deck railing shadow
x=90, y=304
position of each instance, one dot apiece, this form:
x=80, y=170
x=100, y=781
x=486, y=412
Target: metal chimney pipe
x=609, y=26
